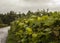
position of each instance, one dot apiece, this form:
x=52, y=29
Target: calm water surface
x=3, y=34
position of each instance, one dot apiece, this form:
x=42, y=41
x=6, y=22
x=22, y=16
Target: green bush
x=35, y=29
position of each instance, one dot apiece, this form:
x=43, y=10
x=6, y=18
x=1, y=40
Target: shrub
x=35, y=29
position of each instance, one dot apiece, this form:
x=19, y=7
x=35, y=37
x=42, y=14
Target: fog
x=25, y=5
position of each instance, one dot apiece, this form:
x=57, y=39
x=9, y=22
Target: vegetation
x=37, y=27
x=6, y=19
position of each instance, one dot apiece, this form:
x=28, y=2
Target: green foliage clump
x=35, y=29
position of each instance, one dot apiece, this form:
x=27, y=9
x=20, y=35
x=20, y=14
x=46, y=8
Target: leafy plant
x=35, y=29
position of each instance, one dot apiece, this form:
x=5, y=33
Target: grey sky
x=25, y=5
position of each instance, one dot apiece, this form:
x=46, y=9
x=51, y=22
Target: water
x=3, y=34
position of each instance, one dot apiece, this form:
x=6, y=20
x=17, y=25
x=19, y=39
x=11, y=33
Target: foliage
x=6, y=19
x=9, y=17
x=36, y=29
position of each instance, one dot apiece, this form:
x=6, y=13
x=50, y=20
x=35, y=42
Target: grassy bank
x=3, y=25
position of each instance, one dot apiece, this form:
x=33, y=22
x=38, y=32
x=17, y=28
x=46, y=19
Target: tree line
x=12, y=16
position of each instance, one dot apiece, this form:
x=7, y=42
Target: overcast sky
x=25, y=5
